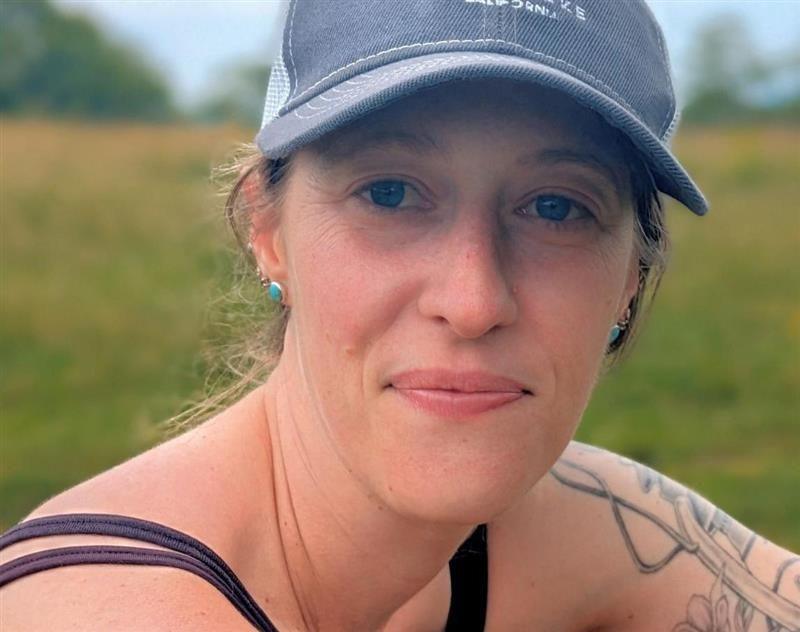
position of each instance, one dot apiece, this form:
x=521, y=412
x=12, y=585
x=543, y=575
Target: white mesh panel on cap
x=277, y=90
x=279, y=86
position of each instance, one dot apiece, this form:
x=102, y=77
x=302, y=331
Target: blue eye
x=387, y=193
x=555, y=207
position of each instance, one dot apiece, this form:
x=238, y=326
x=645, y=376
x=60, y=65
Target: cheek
x=347, y=293
x=573, y=301
x=343, y=299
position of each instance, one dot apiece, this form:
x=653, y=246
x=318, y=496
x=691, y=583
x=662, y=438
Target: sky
x=192, y=41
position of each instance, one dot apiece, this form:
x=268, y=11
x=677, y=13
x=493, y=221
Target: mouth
x=458, y=394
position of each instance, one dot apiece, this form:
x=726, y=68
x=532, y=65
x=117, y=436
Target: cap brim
x=301, y=123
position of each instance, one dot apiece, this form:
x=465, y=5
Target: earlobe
x=270, y=255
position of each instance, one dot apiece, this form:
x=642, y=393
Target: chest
x=551, y=568
x=518, y=580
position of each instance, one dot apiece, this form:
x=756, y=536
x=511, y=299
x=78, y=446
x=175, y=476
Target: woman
x=456, y=207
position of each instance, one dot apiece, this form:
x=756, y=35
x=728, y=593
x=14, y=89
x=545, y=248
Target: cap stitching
x=349, y=94
x=368, y=79
x=673, y=125
x=580, y=71
x=291, y=55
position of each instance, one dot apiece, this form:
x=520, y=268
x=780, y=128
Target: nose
x=469, y=288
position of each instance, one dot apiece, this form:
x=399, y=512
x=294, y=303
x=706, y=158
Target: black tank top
x=468, y=567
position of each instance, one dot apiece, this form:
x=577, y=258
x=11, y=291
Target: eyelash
x=573, y=224
x=564, y=224
x=383, y=209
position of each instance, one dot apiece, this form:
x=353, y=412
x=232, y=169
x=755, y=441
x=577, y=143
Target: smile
x=457, y=394
x=449, y=403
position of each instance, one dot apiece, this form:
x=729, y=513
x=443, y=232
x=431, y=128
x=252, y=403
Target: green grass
x=711, y=394
x=113, y=243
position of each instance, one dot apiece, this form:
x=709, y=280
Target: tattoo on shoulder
x=738, y=601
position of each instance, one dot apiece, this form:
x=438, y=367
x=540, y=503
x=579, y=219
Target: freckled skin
x=457, y=279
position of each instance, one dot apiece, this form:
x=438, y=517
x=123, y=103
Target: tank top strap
x=469, y=582
x=468, y=567
x=185, y=552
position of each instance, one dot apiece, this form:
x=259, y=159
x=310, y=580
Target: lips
x=457, y=394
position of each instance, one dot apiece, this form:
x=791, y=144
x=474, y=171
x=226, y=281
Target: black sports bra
x=468, y=567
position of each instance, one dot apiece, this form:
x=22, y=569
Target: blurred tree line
x=732, y=81
x=54, y=63
x=61, y=64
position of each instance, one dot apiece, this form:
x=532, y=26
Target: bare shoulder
x=116, y=598
x=194, y=483
x=655, y=555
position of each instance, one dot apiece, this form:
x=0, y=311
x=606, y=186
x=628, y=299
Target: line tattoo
x=696, y=531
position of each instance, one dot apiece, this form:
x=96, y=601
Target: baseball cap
x=342, y=59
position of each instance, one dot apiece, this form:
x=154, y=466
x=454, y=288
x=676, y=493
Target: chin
x=468, y=494
x=468, y=472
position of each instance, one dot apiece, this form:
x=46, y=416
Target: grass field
x=113, y=244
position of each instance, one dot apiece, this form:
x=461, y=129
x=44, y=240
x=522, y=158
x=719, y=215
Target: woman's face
x=476, y=226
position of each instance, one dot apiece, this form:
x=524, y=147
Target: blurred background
x=112, y=115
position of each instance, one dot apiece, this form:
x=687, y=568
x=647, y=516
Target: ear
x=266, y=234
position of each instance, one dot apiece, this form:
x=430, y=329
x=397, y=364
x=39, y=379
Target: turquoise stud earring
x=616, y=330
x=274, y=289
x=275, y=292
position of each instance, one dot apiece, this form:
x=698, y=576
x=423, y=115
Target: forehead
x=516, y=117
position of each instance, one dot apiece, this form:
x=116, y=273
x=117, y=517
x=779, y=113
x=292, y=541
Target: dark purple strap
x=468, y=568
x=190, y=554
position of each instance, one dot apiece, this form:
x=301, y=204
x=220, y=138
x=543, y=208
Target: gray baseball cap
x=342, y=59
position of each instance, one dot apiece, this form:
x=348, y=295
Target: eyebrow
x=347, y=146
x=558, y=155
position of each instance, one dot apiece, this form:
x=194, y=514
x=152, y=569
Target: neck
x=352, y=562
